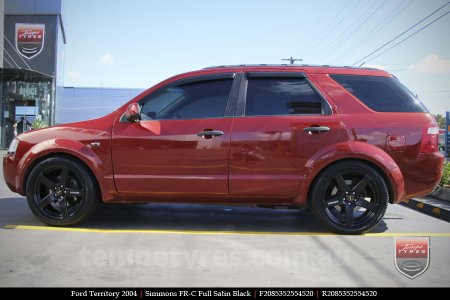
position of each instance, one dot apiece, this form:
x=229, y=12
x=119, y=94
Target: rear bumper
x=423, y=176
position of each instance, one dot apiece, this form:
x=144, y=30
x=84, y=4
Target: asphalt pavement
x=220, y=246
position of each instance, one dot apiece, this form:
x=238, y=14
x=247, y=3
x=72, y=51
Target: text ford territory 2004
x=342, y=141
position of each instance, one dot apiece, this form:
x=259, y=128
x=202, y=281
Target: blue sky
x=137, y=43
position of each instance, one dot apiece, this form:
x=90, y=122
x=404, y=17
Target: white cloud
x=106, y=59
x=431, y=64
x=379, y=67
x=74, y=74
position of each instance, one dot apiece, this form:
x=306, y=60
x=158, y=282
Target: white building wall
x=80, y=103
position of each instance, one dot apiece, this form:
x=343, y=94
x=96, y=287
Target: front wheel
x=61, y=192
x=350, y=197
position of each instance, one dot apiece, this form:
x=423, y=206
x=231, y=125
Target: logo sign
x=412, y=256
x=29, y=39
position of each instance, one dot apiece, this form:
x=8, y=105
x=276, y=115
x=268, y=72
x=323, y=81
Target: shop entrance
x=26, y=102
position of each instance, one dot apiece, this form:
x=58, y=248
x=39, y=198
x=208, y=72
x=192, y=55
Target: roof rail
x=283, y=65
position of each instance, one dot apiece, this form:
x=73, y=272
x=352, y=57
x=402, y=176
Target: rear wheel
x=61, y=192
x=350, y=197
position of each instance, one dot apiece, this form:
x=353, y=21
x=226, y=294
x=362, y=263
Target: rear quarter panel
x=397, y=134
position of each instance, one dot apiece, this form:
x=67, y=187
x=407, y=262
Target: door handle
x=207, y=134
x=316, y=129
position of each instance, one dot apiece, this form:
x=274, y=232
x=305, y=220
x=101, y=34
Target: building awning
x=10, y=74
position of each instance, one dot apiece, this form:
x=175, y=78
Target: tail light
x=430, y=139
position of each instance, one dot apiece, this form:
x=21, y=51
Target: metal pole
x=447, y=128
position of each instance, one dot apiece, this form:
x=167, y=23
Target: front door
x=181, y=144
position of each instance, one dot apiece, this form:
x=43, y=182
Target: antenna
x=292, y=60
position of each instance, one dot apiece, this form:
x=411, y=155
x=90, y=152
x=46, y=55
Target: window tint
x=281, y=96
x=383, y=94
x=207, y=99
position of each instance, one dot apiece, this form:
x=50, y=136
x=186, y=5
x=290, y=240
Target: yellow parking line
x=222, y=232
x=394, y=234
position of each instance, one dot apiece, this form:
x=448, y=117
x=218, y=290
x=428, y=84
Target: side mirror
x=132, y=114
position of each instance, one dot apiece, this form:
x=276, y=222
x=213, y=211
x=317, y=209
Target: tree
x=38, y=123
x=440, y=119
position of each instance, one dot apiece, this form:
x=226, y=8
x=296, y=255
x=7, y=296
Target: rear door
x=281, y=122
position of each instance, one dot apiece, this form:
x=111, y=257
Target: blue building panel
x=84, y=103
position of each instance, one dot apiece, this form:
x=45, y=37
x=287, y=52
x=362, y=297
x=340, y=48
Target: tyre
x=350, y=197
x=61, y=192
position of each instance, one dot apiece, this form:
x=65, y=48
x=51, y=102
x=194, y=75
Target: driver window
x=206, y=99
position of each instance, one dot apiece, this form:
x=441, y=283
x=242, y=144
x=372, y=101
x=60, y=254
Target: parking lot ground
x=197, y=245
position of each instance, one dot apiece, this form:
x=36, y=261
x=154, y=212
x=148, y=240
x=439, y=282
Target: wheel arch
x=61, y=148
x=62, y=155
x=371, y=164
x=381, y=161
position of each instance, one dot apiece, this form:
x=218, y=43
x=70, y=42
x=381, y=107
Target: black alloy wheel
x=61, y=191
x=350, y=197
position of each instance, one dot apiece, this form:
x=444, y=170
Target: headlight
x=13, y=146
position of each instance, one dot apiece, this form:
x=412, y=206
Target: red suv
x=343, y=141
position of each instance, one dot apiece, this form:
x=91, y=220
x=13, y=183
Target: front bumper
x=10, y=172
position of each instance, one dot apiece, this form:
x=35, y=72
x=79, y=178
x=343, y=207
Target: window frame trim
x=232, y=97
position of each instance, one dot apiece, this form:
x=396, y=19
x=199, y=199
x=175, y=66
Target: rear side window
x=382, y=94
x=281, y=96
